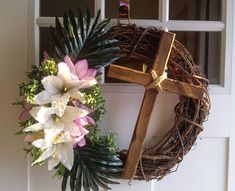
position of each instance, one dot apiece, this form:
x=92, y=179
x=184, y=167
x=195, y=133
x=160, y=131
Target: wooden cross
x=153, y=82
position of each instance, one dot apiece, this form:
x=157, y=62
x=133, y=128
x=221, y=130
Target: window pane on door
x=44, y=36
x=50, y=8
x=140, y=9
x=196, y=10
x=205, y=48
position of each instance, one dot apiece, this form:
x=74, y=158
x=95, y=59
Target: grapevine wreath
x=62, y=102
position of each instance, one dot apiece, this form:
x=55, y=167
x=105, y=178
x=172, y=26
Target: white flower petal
x=72, y=129
x=53, y=162
x=35, y=127
x=64, y=137
x=42, y=98
x=65, y=154
x=87, y=83
x=45, y=155
x=64, y=72
x=76, y=94
x=53, y=124
x=53, y=84
x=40, y=143
x=59, y=103
x=72, y=84
x=41, y=114
x=51, y=135
x=72, y=113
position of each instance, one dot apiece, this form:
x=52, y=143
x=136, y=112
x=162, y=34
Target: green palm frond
x=83, y=38
x=93, y=167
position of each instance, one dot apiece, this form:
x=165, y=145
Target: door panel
x=204, y=168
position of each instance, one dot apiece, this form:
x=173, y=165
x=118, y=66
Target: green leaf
x=73, y=174
x=92, y=182
x=63, y=38
x=72, y=30
x=88, y=20
x=100, y=183
x=81, y=24
x=94, y=24
x=100, y=27
x=86, y=184
x=64, y=180
x=106, y=162
x=83, y=40
x=20, y=132
x=106, y=180
x=78, y=184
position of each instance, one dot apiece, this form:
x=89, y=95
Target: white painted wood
x=121, y=107
x=164, y=6
x=203, y=169
x=231, y=159
x=171, y=25
x=13, y=61
x=134, y=185
x=195, y=25
x=218, y=124
x=42, y=179
x=33, y=32
x=226, y=66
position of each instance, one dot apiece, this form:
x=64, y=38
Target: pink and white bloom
x=80, y=140
x=81, y=123
x=60, y=134
x=24, y=115
x=47, y=119
x=66, y=85
x=81, y=71
x=57, y=145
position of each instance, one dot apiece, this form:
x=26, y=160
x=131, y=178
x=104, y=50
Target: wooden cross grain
x=152, y=87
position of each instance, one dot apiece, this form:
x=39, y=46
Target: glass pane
x=205, y=48
x=57, y=7
x=195, y=10
x=139, y=9
x=44, y=41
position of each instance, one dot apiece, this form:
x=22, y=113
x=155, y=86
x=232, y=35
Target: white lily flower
x=59, y=89
x=57, y=146
x=59, y=134
x=48, y=119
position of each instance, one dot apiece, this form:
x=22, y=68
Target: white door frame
x=231, y=151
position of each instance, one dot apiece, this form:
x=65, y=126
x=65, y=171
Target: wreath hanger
x=154, y=82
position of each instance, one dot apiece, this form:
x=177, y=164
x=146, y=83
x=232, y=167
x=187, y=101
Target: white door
x=208, y=167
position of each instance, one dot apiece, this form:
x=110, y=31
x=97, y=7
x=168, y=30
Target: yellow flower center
x=65, y=89
x=55, y=118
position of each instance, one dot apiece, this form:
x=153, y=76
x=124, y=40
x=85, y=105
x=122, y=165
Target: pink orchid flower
x=80, y=69
x=77, y=103
x=81, y=123
x=80, y=140
x=85, y=120
x=24, y=115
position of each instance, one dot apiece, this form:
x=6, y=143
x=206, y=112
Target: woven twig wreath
x=140, y=44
